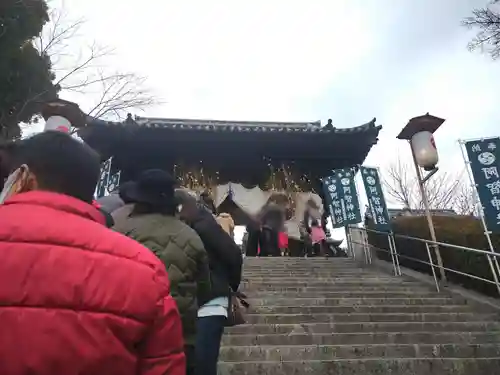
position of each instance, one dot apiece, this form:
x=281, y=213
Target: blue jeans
x=208, y=340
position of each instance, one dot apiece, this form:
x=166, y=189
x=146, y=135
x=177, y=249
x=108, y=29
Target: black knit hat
x=123, y=191
x=154, y=187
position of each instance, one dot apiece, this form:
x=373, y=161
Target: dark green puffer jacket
x=184, y=256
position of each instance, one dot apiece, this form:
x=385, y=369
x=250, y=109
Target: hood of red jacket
x=59, y=202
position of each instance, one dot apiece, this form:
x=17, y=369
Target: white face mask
x=10, y=183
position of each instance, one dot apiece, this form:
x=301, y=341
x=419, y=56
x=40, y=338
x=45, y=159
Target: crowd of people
x=140, y=282
x=266, y=235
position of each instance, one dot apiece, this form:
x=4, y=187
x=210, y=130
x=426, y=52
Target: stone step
x=331, y=280
x=320, y=277
x=316, y=283
x=311, y=260
x=320, y=316
x=303, y=269
x=307, y=263
x=363, y=317
x=364, y=338
x=339, y=294
x=311, y=275
x=296, y=259
x=310, y=267
x=285, y=271
x=249, y=287
x=329, y=352
x=366, y=301
x=300, y=263
x=354, y=327
x=359, y=309
x=375, y=366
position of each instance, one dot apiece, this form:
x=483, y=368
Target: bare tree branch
x=465, y=201
x=118, y=93
x=443, y=190
x=56, y=35
x=86, y=73
x=487, y=21
x=400, y=184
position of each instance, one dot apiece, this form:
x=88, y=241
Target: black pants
x=252, y=243
x=189, y=351
x=208, y=338
x=313, y=250
x=269, y=243
x=306, y=246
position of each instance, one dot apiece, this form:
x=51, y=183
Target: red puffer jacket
x=77, y=298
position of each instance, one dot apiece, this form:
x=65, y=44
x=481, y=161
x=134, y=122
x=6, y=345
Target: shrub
x=457, y=230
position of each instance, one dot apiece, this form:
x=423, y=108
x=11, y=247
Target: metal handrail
x=430, y=264
x=490, y=255
x=430, y=242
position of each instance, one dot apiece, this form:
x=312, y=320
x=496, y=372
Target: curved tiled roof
x=237, y=126
x=238, y=150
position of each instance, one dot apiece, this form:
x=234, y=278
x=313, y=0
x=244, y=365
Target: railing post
x=349, y=242
x=395, y=256
x=395, y=253
x=493, y=272
x=353, y=251
x=432, y=266
x=365, y=245
x=392, y=255
x=368, y=248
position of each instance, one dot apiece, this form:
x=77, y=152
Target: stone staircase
x=332, y=316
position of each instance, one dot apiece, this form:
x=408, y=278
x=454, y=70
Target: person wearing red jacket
x=75, y=297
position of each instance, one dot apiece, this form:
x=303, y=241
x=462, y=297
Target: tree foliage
x=486, y=21
x=41, y=55
x=26, y=78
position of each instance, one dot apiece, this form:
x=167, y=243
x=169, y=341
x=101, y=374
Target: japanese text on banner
x=103, y=178
x=342, y=198
x=484, y=158
x=376, y=201
x=113, y=182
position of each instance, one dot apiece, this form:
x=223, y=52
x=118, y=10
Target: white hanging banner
x=221, y=193
x=251, y=201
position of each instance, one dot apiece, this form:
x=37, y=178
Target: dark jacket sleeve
x=203, y=284
x=216, y=239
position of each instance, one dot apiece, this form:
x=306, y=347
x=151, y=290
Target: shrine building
x=242, y=163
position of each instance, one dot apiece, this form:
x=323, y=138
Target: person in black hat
x=225, y=261
x=152, y=222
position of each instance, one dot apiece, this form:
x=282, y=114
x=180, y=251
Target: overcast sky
x=348, y=60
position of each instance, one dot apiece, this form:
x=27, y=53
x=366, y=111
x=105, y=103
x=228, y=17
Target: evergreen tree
x=26, y=78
